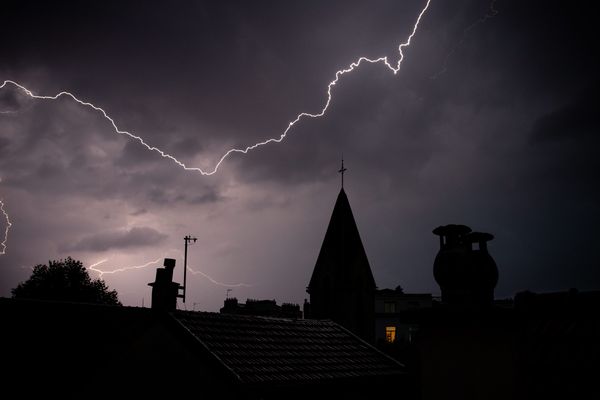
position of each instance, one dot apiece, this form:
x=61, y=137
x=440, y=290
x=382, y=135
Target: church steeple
x=342, y=285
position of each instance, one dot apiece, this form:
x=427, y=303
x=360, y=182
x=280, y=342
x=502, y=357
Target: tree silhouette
x=65, y=280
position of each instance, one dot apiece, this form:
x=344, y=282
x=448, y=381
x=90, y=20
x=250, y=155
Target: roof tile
x=260, y=349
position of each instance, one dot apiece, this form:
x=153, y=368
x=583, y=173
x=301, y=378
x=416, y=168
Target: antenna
x=227, y=295
x=187, y=240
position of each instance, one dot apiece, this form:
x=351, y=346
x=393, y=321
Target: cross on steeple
x=342, y=170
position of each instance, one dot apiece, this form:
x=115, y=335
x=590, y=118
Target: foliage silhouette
x=65, y=280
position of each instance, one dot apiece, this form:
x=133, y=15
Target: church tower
x=342, y=287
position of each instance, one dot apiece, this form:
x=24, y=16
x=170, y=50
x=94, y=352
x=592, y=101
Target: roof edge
x=370, y=346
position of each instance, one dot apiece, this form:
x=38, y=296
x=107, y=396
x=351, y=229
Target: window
x=390, y=334
x=389, y=306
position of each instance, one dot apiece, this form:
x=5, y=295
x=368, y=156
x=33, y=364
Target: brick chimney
x=164, y=290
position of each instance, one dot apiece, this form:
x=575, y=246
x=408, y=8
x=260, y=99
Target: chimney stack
x=164, y=290
x=467, y=276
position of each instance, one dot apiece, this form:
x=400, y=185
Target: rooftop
x=264, y=349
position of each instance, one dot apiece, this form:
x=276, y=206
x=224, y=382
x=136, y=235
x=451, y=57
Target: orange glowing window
x=390, y=334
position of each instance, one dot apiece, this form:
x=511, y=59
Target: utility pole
x=187, y=240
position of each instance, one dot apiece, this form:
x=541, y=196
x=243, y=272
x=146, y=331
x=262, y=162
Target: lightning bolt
x=91, y=267
x=191, y=270
x=492, y=12
x=338, y=75
x=384, y=60
x=8, y=225
x=196, y=272
x=117, y=270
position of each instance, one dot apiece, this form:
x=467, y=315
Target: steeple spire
x=342, y=286
x=342, y=170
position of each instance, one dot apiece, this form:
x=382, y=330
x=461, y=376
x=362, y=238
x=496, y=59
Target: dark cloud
x=574, y=121
x=117, y=239
x=9, y=102
x=4, y=143
x=503, y=139
x=210, y=197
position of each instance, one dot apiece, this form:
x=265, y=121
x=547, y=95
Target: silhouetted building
x=557, y=303
x=559, y=346
x=77, y=350
x=546, y=346
x=390, y=304
x=164, y=290
x=265, y=308
x=342, y=287
x=471, y=346
x=463, y=267
x=74, y=350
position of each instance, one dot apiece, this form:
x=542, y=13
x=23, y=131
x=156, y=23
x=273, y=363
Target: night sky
x=491, y=122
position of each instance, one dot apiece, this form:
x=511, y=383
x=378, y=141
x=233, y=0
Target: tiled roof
x=262, y=349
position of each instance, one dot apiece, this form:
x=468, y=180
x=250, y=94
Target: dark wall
x=509, y=354
x=54, y=350
x=464, y=359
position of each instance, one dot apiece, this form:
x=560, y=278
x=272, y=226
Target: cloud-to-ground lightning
x=492, y=12
x=393, y=67
x=6, y=229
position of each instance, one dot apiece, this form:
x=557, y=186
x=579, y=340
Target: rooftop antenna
x=187, y=240
x=227, y=295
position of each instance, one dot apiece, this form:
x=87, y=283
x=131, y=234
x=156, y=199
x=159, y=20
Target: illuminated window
x=389, y=306
x=390, y=334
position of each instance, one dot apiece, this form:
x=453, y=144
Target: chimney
x=467, y=276
x=306, y=310
x=164, y=290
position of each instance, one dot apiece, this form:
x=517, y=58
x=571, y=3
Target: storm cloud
x=118, y=239
x=490, y=124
